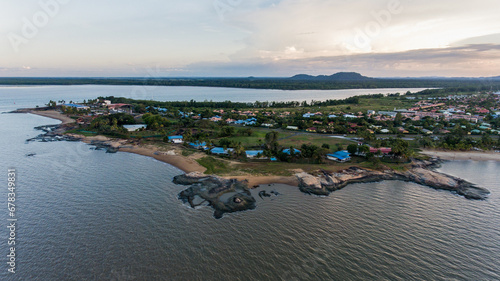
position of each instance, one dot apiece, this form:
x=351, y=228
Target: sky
x=241, y=38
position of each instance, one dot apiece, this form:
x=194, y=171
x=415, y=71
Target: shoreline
x=189, y=165
x=462, y=155
x=52, y=114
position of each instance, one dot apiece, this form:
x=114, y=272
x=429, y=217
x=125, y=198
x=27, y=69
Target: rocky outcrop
x=442, y=181
x=421, y=173
x=225, y=196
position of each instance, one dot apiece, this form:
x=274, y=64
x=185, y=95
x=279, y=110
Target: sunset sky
x=377, y=38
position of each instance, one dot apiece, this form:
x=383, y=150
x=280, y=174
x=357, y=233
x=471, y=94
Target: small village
x=305, y=133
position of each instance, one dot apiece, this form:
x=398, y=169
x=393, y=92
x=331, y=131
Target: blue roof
x=287, y=151
x=274, y=159
x=73, y=105
x=161, y=109
x=254, y=152
x=220, y=150
x=198, y=144
x=340, y=155
x=175, y=137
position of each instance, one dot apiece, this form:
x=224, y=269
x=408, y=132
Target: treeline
x=266, y=83
x=234, y=105
x=112, y=124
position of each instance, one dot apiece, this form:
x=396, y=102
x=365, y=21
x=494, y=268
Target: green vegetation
x=270, y=83
x=213, y=165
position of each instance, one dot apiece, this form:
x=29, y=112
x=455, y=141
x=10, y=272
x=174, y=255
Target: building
x=339, y=156
x=255, y=154
x=198, y=145
x=134, y=128
x=221, y=151
x=383, y=150
x=292, y=128
x=77, y=106
x=387, y=113
x=176, y=139
x=295, y=151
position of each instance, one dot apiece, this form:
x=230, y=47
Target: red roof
x=117, y=105
x=384, y=150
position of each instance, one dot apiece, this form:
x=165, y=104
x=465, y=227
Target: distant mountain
x=340, y=76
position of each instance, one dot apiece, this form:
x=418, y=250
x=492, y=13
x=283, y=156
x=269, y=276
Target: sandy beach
x=54, y=115
x=463, y=155
x=186, y=164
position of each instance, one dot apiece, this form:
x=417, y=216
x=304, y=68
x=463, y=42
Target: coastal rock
x=325, y=183
x=224, y=195
x=189, y=179
x=442, y=181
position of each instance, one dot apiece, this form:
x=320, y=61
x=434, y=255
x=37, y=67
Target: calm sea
x=88, y=215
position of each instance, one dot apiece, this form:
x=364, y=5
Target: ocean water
x=88, y=215
x=15, y=97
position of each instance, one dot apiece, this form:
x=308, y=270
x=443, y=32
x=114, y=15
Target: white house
x=176, y=139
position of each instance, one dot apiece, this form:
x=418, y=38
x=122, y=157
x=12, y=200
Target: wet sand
x=54, y=115
x=463, y=155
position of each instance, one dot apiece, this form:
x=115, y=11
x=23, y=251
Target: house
x=255, y=154
x=384, y=131
x=221, y=151
x=216, y=119
x=350, y=116
x=287, y=151
x=339, y=156
x=176, y=139
x=198, y=145
x=383, y=150
x=77, y=106
x=387, y=113
x=312, y=130
x=292, y=128
x=134, y=128
x=402, y=130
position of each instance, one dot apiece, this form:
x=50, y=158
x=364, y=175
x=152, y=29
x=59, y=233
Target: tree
x=227, y=131
x=271, y=139
x=51, y=104
x=398, y=120
x=339, y=147
x=239, y=149
x=364, y=149
x=352, y=148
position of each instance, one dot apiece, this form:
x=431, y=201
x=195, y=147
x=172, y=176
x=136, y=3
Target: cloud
x=262, y=37
x=470, y=60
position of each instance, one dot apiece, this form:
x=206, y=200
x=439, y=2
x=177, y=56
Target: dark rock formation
x=264, y=193
x=225, y=196
x=421, y=173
